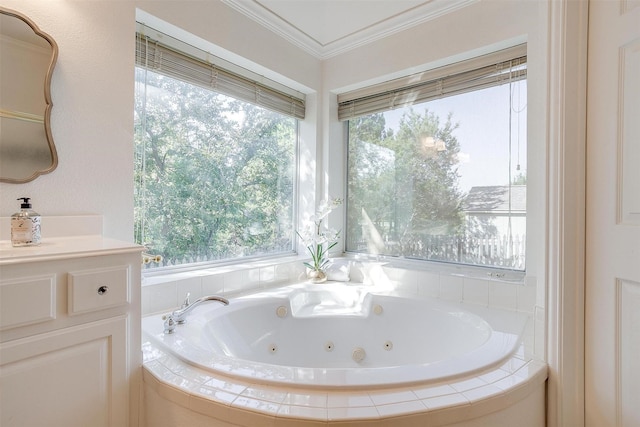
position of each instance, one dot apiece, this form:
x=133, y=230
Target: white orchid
x=319, y=242
x=324, y=209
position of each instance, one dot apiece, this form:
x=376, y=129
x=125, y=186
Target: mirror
x=27, y=58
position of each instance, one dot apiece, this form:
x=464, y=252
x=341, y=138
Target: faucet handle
x=187, y=302
x=169, y=324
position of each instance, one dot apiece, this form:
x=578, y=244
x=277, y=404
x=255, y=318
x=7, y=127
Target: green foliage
x=403, y=185
x=214, y=175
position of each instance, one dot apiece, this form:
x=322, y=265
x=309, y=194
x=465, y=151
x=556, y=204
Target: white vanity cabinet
x=70, y=333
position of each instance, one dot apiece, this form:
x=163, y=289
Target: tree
x=404, y=184
x=214, y=175
x=371, y=183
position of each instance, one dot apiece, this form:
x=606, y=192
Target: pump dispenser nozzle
x=25, y=202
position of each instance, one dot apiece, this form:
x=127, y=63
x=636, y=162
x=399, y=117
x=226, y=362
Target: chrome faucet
x=179, y=316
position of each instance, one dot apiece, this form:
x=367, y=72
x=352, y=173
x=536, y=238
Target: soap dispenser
x=25, y=225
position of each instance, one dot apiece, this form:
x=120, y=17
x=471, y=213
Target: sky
x=483, y=132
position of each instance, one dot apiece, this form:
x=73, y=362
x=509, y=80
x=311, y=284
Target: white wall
x=93, y=92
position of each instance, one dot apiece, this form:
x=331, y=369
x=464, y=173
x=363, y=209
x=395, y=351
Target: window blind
x=479, y=73
x=163, y=59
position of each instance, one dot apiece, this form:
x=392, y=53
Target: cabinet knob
x=103, y=290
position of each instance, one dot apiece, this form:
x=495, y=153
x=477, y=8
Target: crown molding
x=403, y=21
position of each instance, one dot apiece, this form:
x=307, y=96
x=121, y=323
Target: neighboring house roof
x=495, y=199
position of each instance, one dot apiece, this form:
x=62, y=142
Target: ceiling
x=326, y=28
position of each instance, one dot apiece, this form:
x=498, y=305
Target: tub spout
x=179, y=316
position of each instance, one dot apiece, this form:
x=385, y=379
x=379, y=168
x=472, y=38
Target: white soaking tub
x=337, y=338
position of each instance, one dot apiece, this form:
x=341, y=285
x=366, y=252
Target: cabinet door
x=71, y=377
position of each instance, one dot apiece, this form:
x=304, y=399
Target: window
x=215, y=159
x=442, y=175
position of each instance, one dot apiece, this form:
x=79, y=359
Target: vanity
x=70, y=332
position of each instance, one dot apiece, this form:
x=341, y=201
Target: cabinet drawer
x=27, y=301
x=97, y=289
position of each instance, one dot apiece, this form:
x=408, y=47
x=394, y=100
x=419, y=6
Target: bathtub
x=396, y=356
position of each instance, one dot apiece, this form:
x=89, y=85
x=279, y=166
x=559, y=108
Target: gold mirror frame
x=47, y=100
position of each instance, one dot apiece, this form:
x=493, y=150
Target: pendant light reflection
x=431, y=146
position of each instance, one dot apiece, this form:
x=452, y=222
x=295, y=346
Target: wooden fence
x=497, y=251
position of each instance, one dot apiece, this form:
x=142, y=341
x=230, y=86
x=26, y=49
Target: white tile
x=469, y=384
x=304, y=398
x=435, y=391
x=482, y=393
x=235, y=281
x=267, y=276
x=256, y=405
x=402, y=408
x=451, y=288
x=303, y=412
x=408, y=283
x=493, y=376
x=213, y=284
x=193, y=374
x=150, y=352
x=161, y=297
x=298, y=272
x=282, y=273
x=539, y=339
x=429, y=284
x=530, y=370
x=394, y=273
x=526, y=298
x=475, y=291
x=268, y=394
x=348, y=400
x=528, y=339
x=357, y=413
x=513, y=365
x=385, y=398
x=404, y=280
x=253, y=278
x=374, y=274
x=503, y=295
x=229, y=386
x=214, y=394
x=178, y=382
x=172, y=364
x=151, y=370
x=509, y=382
x=446, y=401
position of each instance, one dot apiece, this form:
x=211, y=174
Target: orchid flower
x=319, y=242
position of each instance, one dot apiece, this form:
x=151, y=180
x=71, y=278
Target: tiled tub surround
x=178, y=394
x=493, y=395
x=165, y=292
